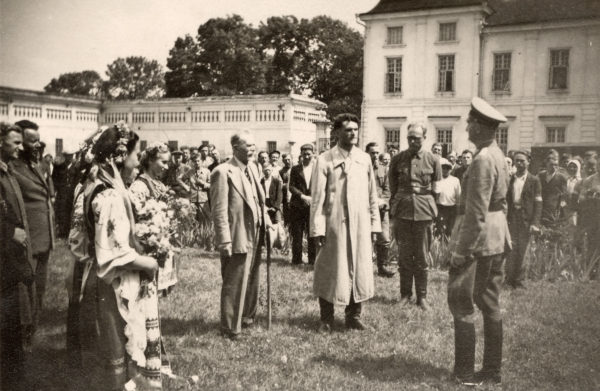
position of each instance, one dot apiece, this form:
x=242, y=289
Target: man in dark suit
x=38, y=204
x=554, y=190
x=272, y=186
x=16, y=263
x=284, y=174
x=300, y=177
x=524, y=199
x=239, y=216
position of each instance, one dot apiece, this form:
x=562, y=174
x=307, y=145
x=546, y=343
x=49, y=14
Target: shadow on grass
x=181, y=327
x=392, y=368
x=286, y=263
x=384, y=300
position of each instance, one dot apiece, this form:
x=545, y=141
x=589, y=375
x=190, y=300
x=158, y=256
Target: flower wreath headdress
x=121, y=150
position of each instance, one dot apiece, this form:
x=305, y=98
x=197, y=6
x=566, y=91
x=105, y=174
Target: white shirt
x=307, y=170
x=449, y=190
x=518, y=188
x=267, y=185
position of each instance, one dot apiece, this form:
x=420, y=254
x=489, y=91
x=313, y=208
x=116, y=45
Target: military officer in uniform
x=478, y=242
x=413, y=175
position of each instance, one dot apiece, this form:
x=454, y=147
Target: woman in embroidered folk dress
x=120, y=334
x=148, y=185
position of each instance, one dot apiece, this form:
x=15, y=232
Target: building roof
x=389, y=6
x=505, y=12
x=6, y=92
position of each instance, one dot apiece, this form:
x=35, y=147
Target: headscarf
x=575, y=179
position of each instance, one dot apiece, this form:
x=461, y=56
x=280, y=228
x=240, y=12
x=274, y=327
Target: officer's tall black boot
x=464, y=352
x=492, y=352
x=406, y=282
x=382, y=258
x=421, y=289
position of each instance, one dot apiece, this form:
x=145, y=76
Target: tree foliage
x=88, y=83
x=321, y=57
x=134, y=77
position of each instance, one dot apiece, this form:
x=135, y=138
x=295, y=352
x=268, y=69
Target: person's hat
x=307, y=146
x=177, y=153
x=445, y=162
x=485, y=112
x=452, y=153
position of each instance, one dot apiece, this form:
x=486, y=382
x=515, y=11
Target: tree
x=87, y=83
x=285, y=44
x=134, y=77
x=184, y=78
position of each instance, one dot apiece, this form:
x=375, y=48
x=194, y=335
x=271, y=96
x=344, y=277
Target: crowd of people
x=348, y=203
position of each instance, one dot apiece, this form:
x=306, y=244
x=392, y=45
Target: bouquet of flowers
x=183, y=221
x=153, y=230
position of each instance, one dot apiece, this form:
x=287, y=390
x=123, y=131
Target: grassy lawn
x=552, y=337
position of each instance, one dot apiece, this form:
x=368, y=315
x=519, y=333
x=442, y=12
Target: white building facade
x=424, y=61
x=279, y=122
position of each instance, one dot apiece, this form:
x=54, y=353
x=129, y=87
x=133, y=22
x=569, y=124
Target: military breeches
x=477, y=281
x=414, y=241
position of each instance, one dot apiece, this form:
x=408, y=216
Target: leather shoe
x=324, y=328
x=404, y=301
x=229, y=335
x=383, y=272
x=488, y=378
x=423, y=305
x=356, y=324
x=248, y=323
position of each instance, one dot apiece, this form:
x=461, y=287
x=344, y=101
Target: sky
x=40, y=39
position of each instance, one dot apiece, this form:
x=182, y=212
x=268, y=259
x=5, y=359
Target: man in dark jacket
x=554, y=190
x=38, y=204
x=300, y=177
x=524, y=199
x=16, y=263
x=272, y=186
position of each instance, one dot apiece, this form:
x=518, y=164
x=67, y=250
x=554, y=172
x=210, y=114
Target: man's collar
x=239, y=163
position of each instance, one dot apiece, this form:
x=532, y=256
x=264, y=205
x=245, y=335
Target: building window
x=444, y=137
x=447, y=32
x=446, y=79
x=394, y=75
x=394, y=35
x=173, y=145
x=502, y=138
x=271, y=146
x=392, y=137
x=58, y=146
x=559, y=69
x=555, y=134
x=501, y=76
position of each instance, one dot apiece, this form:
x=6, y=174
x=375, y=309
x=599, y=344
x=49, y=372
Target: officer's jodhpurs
x=477, y=281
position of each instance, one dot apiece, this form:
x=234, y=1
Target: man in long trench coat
x=344, y=213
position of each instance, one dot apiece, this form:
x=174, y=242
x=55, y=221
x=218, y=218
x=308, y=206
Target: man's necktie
x=248, y=174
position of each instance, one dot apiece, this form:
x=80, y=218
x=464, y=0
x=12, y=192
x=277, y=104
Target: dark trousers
x=239, y=293
x=299, y=226
x=382, y=239
x=478, y=282
x=41, y=276
x=519, y=233
x=353, y=310
x=414, y=241
x=445, y=220
x=11, y=347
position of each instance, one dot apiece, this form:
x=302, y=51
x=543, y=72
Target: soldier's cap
x=445, y=162
x=484, y=112
x=307, y=146
x=177, y=153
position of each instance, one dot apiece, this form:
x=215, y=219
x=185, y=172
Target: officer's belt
x=494, y=207
x=426, y=190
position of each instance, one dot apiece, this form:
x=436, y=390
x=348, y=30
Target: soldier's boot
x=382, y=258
x=406, y=282
x=464, y=352
x=492, y=352
x=421, y=289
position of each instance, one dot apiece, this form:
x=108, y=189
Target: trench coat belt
x=418, y=190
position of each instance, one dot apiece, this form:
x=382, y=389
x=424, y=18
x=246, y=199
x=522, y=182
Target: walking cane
x=269, y=312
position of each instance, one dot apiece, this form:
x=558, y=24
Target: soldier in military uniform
x=413, y=175
x=479, y=239
x=381, y=239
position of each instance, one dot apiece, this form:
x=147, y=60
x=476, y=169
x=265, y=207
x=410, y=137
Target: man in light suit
x=524, y=201
x=477, y=246
x=37, y=195
x=239, y=216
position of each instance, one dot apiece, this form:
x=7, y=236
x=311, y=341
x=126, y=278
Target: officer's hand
x=20, y=236
x=320, y=241
x=225, y=250
x=534, y=229
x=306, y=199
x=457, y=260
